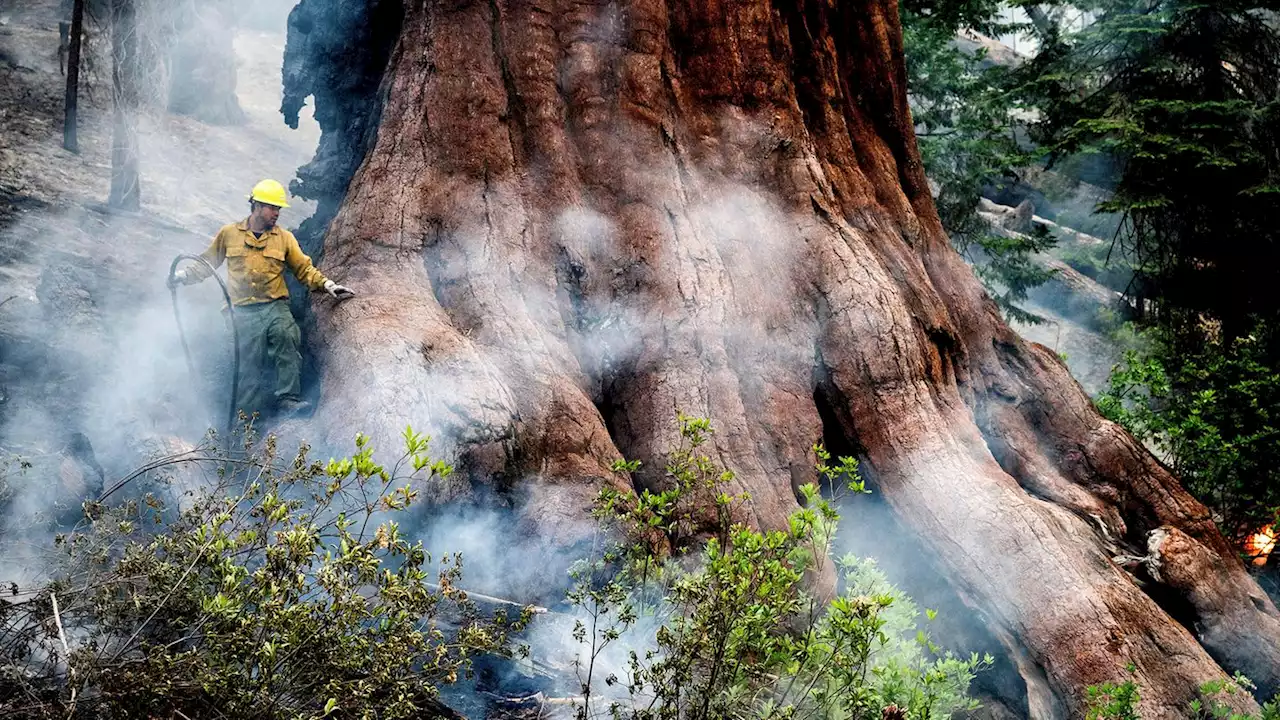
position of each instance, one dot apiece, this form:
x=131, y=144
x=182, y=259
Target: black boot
x=289, y=407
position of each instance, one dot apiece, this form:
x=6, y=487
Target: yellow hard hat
x=270, y=192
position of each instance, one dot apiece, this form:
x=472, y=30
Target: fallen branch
x=57, y=620
x=62, y=636
x=190, y=456
x=537, y=610
x=540, y=699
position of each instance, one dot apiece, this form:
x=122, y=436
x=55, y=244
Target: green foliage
x=963, y=109
x=1110, y=701
x=950, y=16
x=1098, y=262
x=1183, y=96
x=908, y=669
x=1212, y=705
x=1214, y=412
x=284, y=590
x=678, y=511
x=729, y=630
x=1175, y=105
x=845, y=471
x=1007, y=268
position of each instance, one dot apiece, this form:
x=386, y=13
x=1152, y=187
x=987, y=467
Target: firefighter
x=257, y=251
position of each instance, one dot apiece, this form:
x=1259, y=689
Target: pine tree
x=1184, y=97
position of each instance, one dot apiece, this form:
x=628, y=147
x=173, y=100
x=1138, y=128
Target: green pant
x=269, y=342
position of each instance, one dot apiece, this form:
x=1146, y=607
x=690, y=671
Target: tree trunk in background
x=75, y=36
x=571, y=219
x=202, y=80
x=125, y=182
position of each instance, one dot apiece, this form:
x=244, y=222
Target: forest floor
x=1088, y=352
x=194, y=176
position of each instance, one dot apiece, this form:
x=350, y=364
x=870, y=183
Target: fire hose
x=235, y=333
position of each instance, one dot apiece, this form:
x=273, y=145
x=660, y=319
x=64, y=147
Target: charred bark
x=74, y=41
x=571, y=219
x=336, y=53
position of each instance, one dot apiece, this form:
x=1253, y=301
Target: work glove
x=337, y=291
x=181, y=277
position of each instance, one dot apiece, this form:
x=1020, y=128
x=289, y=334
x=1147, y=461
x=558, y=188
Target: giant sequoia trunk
x=570, y=219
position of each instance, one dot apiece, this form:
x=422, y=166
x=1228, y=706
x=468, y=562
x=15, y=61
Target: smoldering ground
x=99, y=359
x=90, y=346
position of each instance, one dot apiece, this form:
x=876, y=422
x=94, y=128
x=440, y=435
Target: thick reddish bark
x=576, y=218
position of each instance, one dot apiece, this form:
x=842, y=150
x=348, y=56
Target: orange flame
x=1260, y=544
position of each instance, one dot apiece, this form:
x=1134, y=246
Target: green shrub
x=1213, y=411
x=965, y=118
x=730, y=630
x=285, y=590
x=1110, y=701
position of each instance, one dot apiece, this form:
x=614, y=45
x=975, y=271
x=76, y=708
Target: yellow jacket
x=255, y=266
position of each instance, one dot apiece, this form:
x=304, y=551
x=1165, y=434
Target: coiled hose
x=235, y=333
